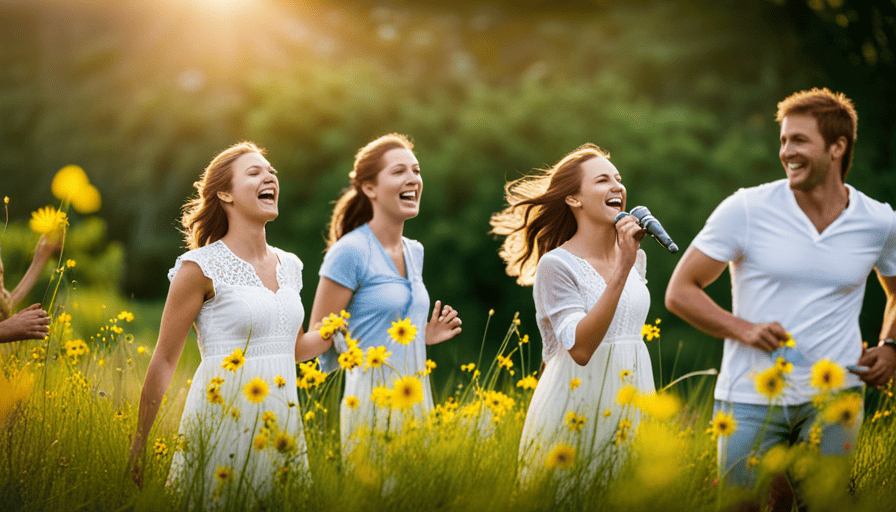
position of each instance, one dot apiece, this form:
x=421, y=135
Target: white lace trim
x=222, y=266
x=256, y=348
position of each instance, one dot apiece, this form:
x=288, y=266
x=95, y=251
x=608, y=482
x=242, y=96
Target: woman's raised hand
x=628, y=239
x=443, y=325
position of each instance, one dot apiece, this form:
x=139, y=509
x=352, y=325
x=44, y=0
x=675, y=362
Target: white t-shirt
x=783, y=270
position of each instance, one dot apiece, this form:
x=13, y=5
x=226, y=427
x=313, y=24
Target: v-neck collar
x=385, y=255
x=254, y=272
x=807, y=222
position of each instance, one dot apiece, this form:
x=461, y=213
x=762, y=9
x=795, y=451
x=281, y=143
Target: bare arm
x=189, y=289
x=330, y=297
x=881, y=361
x=31, y=323
x=685, y=296
x=591, y=329
x=42, y=252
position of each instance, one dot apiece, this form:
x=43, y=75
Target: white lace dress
x=217, y=461
x=566, y=287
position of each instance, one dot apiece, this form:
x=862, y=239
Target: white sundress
x=566, y=287
x=216, y=437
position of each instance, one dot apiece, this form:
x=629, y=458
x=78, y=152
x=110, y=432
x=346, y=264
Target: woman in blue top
x=375, y=274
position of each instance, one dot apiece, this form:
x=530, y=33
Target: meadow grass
x=69, y=413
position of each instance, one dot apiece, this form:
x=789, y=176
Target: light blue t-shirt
x=381, y=296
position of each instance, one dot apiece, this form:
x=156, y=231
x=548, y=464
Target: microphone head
x=673, y=248
x=619, y=216
x=639, y=212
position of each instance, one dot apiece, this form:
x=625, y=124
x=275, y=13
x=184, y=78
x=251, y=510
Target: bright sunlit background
x=142, y=94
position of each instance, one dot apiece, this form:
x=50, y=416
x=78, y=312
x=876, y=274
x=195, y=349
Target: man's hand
x=881, y=363
x=768, y=336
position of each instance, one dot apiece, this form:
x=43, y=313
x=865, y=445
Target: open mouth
x=410, y=195
x=268, y=195
x=794, y=165
x=615, y=202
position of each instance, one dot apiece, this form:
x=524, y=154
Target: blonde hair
x=537, y=218
x=204, y=220
x=834, y=112
x=353, y=208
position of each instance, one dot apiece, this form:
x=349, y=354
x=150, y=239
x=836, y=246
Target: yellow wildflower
x=783, y=365
x=381, y=396
x=624, y=374
x=70, y=263
x=223, y=474
x=284, y=443
x=159, y=448
x=562, y=457
x=467, y=367
x=844, y=409
x=309, y=415
x=403, y=331
x=827, y=375
x=68, y=182
x=574, y=421
x=505, y=362
x=788, y=342
x=260, y=442
x=376, y=356
x=127, y=316
x=234, y=360
x=661, y=406
x=235, y=413
x=256, y=390
x=279, y=381
x=770, y=383
x=626, y=395
x=87, y=200
x=429, y=366
x=407, y=392
x=607, y=413
x=47, y=220
x=723, y=424
x=529, y=382
x=351, y=401
x=574, y=383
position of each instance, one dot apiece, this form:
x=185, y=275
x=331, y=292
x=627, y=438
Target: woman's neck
x=593, y=241
x=246, y=239
x=387, y=231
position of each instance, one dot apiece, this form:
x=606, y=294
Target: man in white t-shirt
x=800, y=251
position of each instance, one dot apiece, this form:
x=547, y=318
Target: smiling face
x=254, y=188
x=396, y=192
x=602, y=195
x=807, y=160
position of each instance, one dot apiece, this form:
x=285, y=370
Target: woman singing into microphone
x=591, y=301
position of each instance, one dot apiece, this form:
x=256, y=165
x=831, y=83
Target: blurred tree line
x=682, y=93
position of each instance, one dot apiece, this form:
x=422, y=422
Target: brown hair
x=538, y=219
x=203, y=220
x=353, y=208
x=834, y=112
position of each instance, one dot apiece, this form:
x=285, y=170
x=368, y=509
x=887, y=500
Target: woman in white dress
x=591, y=302
x=241, y=428
x=375, y=274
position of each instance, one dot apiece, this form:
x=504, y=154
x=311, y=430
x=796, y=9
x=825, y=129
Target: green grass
x=68, y=423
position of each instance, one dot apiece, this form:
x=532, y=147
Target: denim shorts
x=777, y=424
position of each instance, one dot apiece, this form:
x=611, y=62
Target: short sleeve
x=725, y=232
x=345, y=264
x=293, y=267
x=416, y=250
x=886, y=263
x=558, y=298
x=198, y=257
x=641, y=265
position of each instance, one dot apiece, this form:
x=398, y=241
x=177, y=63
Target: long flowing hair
x=204, y=220
x=353, y=208
x=537, y=218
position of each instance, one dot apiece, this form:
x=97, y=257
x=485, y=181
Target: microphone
x=649, y=223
